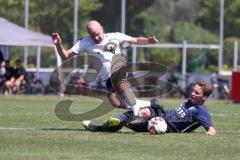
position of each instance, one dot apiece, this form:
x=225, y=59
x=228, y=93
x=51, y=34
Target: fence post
x=38, y=61
x=134, y=54
x=184, y=64
x=235, y=55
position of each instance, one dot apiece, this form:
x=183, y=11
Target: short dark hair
x=155, y=103
x=18, y=61
x=207, y=88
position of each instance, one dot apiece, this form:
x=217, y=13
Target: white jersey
x=139, y=104
x=101, y=51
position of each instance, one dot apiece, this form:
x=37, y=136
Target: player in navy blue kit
x=128, y=119
x=185, y=118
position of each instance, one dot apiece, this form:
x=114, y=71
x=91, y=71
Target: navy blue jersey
x=187, y=117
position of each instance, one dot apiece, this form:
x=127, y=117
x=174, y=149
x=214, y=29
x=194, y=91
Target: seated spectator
x=9, y=70
x=15, y=78
x=2, y=73
x=2, y=69
x=6, y=73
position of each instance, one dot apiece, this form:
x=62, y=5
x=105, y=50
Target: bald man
x=107, y=49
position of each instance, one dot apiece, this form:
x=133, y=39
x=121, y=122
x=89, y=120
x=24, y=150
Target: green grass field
x=30, y=130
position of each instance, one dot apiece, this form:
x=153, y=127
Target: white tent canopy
x=14, y=35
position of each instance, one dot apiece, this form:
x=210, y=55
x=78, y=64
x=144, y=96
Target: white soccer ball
x=157, y=125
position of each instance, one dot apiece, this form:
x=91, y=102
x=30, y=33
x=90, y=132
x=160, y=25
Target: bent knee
x=115, y=101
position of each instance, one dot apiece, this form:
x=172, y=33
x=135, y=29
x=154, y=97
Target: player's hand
x=152, y=40
x=211, y=131
x=56, y=38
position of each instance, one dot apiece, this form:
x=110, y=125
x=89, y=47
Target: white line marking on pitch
x=16, y=114
x=11, y=128
x=123, y=130
x=222, y=115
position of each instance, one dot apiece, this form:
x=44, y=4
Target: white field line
x=229, y=131
x=30, y=113
x=46, y=129
x=14, y=128
x=223, y=115
x=50, y=113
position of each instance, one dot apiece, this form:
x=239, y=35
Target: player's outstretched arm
x=64, y=54
x=144, y=40
x=211, y=131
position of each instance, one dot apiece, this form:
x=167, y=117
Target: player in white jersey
x=112, y=69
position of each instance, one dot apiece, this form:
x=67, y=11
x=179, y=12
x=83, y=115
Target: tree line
x=172, y=21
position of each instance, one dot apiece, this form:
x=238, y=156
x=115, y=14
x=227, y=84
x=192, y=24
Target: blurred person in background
x=15, y=78
x=2, y=69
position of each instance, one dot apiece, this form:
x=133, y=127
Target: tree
x=110, y=15
x=12, y=10
x=228, y=51
x=210, y=16
x=145, y=25
x=194, y=34
x=57, y=16
x=50, y=16
x=168, y=57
